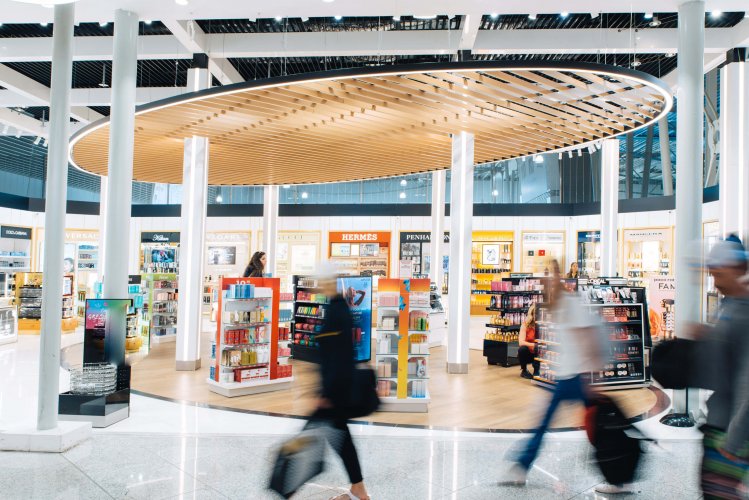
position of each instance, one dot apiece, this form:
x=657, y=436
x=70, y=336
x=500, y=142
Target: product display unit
x=589, y=253
x=647, y=253
x=509, y=302
x=361, y=254
x=137, y=337
x=160, y=308
x=159, y=258
x=623, y=315
x=402, y=348
x=491, y=260
x=416, y=248
x=15, y=256
x=309, y=311
x=29, y=302
x=8, y=324
x=244, y=354
x=539, y=248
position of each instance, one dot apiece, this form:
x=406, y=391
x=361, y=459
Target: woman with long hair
x=256, y=266
x=527, y=341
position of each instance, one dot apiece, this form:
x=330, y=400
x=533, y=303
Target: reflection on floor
x=488, y=397
x=220, y=467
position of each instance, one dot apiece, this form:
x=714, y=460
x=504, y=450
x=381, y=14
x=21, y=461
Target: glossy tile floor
x=153, y=467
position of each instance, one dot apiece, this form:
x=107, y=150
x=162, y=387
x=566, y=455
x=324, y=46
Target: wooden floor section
x=488, y=397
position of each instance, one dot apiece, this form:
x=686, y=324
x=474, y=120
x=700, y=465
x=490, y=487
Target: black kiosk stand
x=104, y=342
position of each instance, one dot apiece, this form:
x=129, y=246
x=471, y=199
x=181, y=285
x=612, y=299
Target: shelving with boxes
x=491, y=260
x=160, y=309
x=244, y=355
x=29, y=302
x=15, y=256
x=402, y=348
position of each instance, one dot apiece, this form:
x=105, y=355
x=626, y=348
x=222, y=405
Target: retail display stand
x=160, y=310
x=15, y=256
x=29, y=302
x=245, y=352
x=624, y=317
x=403, y=345
x=136, y=339
x=509, y=303
x=491, y=260
x=8, y=324
x=309, y=312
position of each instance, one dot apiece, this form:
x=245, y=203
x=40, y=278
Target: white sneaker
x=516, y=476
x=613, y=489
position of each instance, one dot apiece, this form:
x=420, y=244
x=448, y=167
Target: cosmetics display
x=647, y=253
x=28, y=295
x=402, y=347
x=160, y=306
x=159, y=252
x=247, y=346
x=491, y=260
x=589, y=253
x=15, y=256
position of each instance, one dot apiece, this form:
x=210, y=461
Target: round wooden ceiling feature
x=377, y=122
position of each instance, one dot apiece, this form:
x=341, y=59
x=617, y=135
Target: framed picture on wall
x=490, y=254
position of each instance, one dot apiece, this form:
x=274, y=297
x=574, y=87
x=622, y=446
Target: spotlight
x=18, y=134
x=532, y=17
x=397, y=19
x=560, y=156
x=219, y=199
x=716, y=13
x=569, y=153
x=37, y=140
x=564, y=14
x=591, y=149
x=337, y=18
x=286, y=186
x=44, y=143
x=304, y=195
x=495, y=193
x=103, y=24
x=538, y=159
x=402, y=196
x=648, y=15
x=636, y=62
x=148, y=22
x=305, y=19
x=494, y=15
x=655, y=22
x=404, y=182
x=579, y=152
x=279, y=19
x=43, y=25
x=670, y=54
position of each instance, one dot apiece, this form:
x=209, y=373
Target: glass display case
x=15, y=256
x=589, y=253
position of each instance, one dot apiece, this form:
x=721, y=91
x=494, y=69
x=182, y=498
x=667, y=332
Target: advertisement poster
x=303, y=259
x=222, y=256
x=661, y=307
x=105, y=331
x=357, y=290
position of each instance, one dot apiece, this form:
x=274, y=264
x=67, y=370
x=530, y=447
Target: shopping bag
x=363, y=400
x=299, y=459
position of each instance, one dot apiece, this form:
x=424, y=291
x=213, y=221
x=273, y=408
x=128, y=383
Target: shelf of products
x=415, y=246
x=160, y=306
x=15, y=256
x=402, y=348
x=245, y=352
x=361, y=253
x=28, y=299
x=589, y=253
x=137, y=337
x=491, y=260
x=647, y=253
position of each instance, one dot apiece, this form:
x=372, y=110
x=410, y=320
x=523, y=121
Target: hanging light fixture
x=103, y=83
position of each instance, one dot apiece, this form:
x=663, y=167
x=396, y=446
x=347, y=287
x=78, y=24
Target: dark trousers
x=525, y=358
x=342, y=444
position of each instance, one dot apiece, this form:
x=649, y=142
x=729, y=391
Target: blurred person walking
x=722, y=358
x=337, y=378
x=579, y=353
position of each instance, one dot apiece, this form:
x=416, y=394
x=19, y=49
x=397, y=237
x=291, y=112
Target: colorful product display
x=491, y=260
x=160, y=308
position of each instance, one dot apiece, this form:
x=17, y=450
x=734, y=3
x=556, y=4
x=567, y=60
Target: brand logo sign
x=416, y=237
x=359, y=237
x=19, y=233
x=159, y=237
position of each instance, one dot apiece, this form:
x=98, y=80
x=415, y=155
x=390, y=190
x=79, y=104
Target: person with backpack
x=579, y=353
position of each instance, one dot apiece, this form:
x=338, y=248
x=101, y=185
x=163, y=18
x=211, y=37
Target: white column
x=734, y=149
x=609, y=205
x=270, y=227
x=665, y=142
x=191, y=261
x=436, y=274
x=461, y=218
x=54, y=218
x=192, y=234
x=121, y=139
x=103, y=226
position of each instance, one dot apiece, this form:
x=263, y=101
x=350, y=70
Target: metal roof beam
x=22, y=123
x=91, y=97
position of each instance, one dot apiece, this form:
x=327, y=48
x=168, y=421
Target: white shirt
x=578, y=352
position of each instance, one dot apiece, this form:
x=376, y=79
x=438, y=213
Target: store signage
x=356, y=237
x=73, y=235
x=588, y=236
x=416, y=237
x=159, y=237
x=227, y=237
x=662, y=307
x=654, y=234
x=543, y=237
x=19, y=233
x=521, y=275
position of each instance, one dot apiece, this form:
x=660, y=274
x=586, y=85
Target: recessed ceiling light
x=670, y=54
x=538, y=159
x=396, y=18
x=403, y=196
x=286, y=186
x=181, y=2
x=337, y=18
x=219, y=199
x=495, y=193
x=532, y=17
x=103, y=24
x=148, y=22
x=305, y=195
x=716, y=13
x=404, y=182
x=43, y=25
x=564, y=14
x=305, y=19
x=636, y=62
x=648, y=15
x=494, y=15
x=279, y=19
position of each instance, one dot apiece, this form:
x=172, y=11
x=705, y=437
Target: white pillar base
x=60, y=439
x=457, y=368
x=188, y=366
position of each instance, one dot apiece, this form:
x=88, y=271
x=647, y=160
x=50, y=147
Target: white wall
x=374, y=223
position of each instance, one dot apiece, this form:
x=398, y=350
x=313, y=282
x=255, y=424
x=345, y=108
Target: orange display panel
x=375, y=122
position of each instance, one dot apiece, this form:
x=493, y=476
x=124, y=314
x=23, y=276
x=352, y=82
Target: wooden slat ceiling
x=381, y=122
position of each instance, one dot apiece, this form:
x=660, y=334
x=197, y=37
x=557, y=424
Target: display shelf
x=28, y=299
x=504, y=327
x=245, y=350
x=160, y=289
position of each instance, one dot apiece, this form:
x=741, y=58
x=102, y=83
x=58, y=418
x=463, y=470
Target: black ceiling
x=90, y=74
x=316, y=24
x=609, y=21
x=82, y=29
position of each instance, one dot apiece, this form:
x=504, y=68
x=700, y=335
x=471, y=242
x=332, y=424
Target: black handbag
x=363, y=399
x=299, y=459
x=673, y=363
